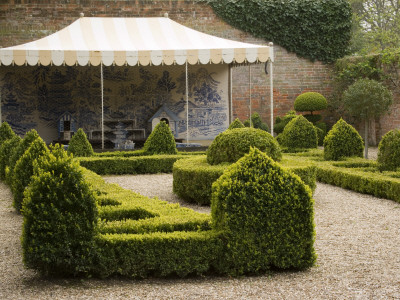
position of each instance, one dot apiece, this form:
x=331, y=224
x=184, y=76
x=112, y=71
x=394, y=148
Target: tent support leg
x=187, y=103
x=271, y=86
x=251, y=125
x=230, y=95
x=0, y=108
x=102, y=106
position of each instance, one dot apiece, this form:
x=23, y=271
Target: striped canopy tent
x=132, y=42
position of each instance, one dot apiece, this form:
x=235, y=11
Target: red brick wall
x=25, y=20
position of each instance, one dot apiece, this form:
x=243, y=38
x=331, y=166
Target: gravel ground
x=357, y=244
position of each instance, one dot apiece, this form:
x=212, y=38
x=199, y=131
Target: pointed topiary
x=236, y=124
x=79, y=145
x=6, y=132
x=342, y=141
x=26, y=142
x=160, y=141
x=389, y=151
x=6, y=151
x=299, y=133
x=230, y=145
x=265, y=216
x=60, y=218
x=23, y=170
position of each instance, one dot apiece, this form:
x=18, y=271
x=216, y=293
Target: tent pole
x=271, y=85
x=0, y=108
x=102, y=106
x=230, y=94
x=187, y=103
x=251, y=125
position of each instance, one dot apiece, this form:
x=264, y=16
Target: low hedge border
x=193, y=177
x=139, y=153
x=130, y=165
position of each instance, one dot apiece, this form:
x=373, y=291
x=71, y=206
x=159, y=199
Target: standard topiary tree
x=231, y=145
x=60, y=218
x=23, y=170
x=299, y=134
x=6, y=151
x=389, y=151
x=265, y=216
x=6, y=132
x=160, y=141
x=26, y=142
x=342, y=141
x=310, y=101
x=366, y=100
x=236, y=124
x=79, y=145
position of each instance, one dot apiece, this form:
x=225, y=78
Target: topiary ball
x=342, y=141
x=60, y=218
x=23, y=170
x=236, y=124
x=299, y=134
x=80, y=145
x=160, y=141
x=6, y=132
x=265, y=216
x=310, y=101
x=389, y=151
x=231, y=145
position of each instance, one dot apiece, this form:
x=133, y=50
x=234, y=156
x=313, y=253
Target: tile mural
x=36, y=97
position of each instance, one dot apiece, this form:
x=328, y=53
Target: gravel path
x=357, y=242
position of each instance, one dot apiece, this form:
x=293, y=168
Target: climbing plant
x=314, y=29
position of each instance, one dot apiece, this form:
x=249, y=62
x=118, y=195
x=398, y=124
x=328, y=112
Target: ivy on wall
x=314, y=29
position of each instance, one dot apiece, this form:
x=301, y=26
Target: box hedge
x=160, y=141
x=79, y=144
x=389, y=151
x=265, y=216
x=236, y=124
x=6, y=150
x=299, y=134
x=193, y=177
x=232, y=144
x=6, y=133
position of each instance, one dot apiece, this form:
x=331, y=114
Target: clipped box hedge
x=193, y=177
x=130, y=165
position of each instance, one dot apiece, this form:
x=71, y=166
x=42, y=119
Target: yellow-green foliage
x=342, y=141
x=6, y=132
x=299, y=133
x=389, y=151
x=79, y=144
x=6, y=150
x=193, y=177
x=265, y=214
x=236, y=124
x=231, y=145
x=23, y=170
x=160, y=141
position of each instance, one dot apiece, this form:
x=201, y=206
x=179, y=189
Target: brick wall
x=26, y=20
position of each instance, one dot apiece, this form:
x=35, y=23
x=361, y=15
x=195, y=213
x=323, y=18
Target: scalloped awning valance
x=131, y=41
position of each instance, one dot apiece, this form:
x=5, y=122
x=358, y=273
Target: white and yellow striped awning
x=131, y=41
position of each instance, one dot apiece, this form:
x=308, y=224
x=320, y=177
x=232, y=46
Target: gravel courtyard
x=357, y=242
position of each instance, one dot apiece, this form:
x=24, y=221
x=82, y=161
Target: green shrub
x=236, y=124
x=6, y=150
x=193, y=177
x=6, y=133
x=130, y=165
x=342, y=141
x=26, y=142
x=79, y=145
x=265, y=215
x=231, y=145
x=313, y=118
x=60, y=219
x=299, y=134
x=389, y=151
x=310, y=101
x=281, y=122
x=160, y=141
x=321, y=132
x=256, y=122
x=23, y=170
